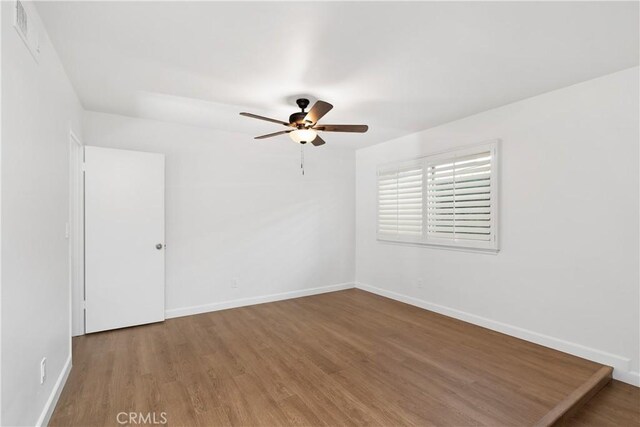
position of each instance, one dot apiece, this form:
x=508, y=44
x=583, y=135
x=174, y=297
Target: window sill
x=488, y=251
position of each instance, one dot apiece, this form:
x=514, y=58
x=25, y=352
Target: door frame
x=76, y=234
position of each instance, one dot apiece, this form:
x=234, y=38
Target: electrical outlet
x=43, y=370
x=234, y=282
x=419, y=283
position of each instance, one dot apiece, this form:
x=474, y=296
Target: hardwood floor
x=618, y=404
x=343, y=358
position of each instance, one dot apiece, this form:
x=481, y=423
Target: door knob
x=159, y=246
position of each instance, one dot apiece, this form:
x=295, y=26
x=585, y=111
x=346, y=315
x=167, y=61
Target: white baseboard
x=620, y=364
x=632, y=377
x=47, y=411
x=216, y=306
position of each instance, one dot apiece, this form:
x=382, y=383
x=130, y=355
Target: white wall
x=1, y=24
x=567, y=272
x=240, y=208
x=39, y=107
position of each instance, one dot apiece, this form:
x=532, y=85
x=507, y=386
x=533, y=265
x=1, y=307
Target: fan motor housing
x=297, y=118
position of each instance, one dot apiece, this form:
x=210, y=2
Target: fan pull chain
x=302, y=158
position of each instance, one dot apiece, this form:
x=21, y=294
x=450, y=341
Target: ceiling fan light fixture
x=303, y=126
x=303, y=135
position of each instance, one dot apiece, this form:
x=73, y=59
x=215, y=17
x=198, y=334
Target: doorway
x=75, y=233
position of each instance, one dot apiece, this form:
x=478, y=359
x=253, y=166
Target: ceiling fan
x=305, y=126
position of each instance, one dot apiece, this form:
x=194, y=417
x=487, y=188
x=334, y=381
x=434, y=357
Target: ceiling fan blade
x=318, y=141
x=255, y=116
x=269, y=135
x=319, y=109
x=342, y=128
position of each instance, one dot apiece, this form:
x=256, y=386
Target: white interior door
x=124, y=238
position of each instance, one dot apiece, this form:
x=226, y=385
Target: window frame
x=492, y=245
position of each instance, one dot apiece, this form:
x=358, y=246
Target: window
x=400, y=206
x=447, y=199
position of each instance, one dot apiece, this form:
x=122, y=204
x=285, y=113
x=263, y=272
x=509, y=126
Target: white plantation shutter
x=449, y=199
x=459, y=198
x=400, y=202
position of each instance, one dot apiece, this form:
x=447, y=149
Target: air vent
x=22, y=22
x=26, y=30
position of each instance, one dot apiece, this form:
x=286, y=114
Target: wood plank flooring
x=343, y=358
x=616, y=405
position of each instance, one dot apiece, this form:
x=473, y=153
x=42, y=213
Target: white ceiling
x=398, y=67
